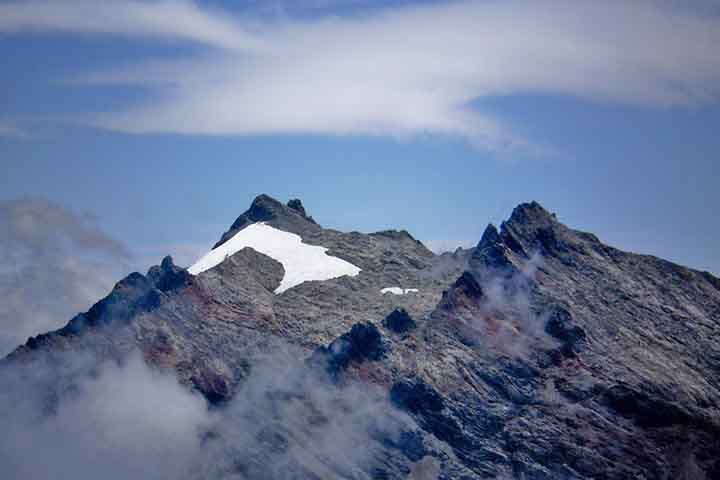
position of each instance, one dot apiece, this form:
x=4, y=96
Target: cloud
x=501, y=320
x=104, y=413
x=12, y=131
x=448, y=245
x=171, y=19
x=402, y=71
x=287, y=421
x=53, y=264
x=116, y=419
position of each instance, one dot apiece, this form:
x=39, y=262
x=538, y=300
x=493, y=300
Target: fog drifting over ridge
x=54, y=263
x=119, y=418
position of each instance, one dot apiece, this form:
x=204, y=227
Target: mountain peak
x=290, y=217
x=490, y=252
x=489, y=237
x=531, y=214
x=264, y=207
x=296, y=204
x=528, y=224
x=538, y=314
x=167, y=263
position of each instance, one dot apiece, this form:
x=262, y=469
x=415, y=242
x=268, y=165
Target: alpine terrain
x=541, y=353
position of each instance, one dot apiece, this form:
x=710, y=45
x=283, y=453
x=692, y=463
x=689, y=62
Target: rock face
x=290, y=217
x=363, y=342
x=539, y=354
x=399, y=321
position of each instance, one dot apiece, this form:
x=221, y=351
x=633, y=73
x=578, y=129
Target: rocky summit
x=541, y=353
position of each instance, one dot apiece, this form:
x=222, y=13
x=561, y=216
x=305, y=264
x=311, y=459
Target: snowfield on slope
x=302, y=262
x=398, y=290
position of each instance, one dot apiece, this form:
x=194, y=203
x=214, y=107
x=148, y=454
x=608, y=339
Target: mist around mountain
x=540, y=353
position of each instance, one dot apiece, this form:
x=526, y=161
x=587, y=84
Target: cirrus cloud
x=399, y=71
x=10, y=130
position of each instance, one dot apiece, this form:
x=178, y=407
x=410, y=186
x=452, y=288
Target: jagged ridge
x=540, y=353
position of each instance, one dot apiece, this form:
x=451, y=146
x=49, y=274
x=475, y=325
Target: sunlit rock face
x=541, y=353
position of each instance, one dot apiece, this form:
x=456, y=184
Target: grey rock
x=540, y=353
x=399, y=321
x=290, y=217
x=363, y=342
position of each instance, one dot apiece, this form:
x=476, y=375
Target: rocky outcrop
x=541, y=353
x=131, y=296
x=560, y=325
x=363, y=342
x=291, y=217
x=399, y=321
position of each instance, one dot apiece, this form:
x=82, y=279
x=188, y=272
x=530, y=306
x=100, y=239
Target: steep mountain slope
x=541, y=353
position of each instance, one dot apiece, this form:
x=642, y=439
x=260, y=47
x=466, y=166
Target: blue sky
x=165, y=119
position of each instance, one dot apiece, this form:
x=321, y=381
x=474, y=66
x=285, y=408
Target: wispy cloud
x=173, y=19
x=448, y=245
x=398, y=71
x=53, y=264
x=10, y=130
x=91, y=417
x=119, y=420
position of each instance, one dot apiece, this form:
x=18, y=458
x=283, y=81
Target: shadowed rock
x=399, y=321
x=363, y=342
x=416, y=397
x=550, y=355
x=466, y=290
x=291, y=217
x=561, y=325
x=168, y=277
x=648, y=410
x=490, y=254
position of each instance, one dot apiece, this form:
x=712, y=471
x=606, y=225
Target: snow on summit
x=302, y=262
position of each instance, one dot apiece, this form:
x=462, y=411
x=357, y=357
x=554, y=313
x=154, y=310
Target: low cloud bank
x=113, y=421
x=53, y=264
x=69, y=415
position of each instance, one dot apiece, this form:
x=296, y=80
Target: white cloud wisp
x=402, y=71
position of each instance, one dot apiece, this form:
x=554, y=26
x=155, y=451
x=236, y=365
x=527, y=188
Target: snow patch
x=302, y=262
x=398, y=290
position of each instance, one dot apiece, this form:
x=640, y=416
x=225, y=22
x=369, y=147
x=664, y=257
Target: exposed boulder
x=648, y=409
x=560, y=325
x=296, y=204
x=466, y=289
x=409, y=443
x=363, y=342
x=416, y=397
x=168, y=277
x=214, y=386
x=399, y=321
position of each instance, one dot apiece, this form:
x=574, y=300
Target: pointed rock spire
x=527, y=222
x=523, y=233
x=532, y=229
x=297, y=205
x=531, y=214
x=167, y=276
x=167, y=263
x=490, y=252
x=489, y=237
x=291, y=217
